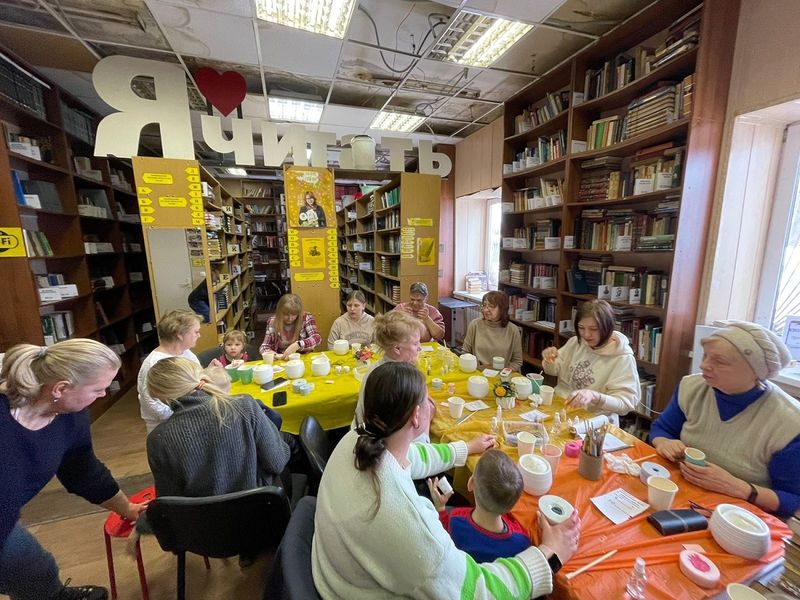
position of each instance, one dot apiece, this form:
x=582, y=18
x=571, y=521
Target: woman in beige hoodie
x=596, y=369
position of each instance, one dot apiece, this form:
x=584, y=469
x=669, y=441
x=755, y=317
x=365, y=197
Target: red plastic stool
x=116, y=526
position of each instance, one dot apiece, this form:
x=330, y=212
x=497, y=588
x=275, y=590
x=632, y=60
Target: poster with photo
x=309, y=198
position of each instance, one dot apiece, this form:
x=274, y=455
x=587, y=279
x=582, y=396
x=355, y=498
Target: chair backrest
x=291, y=577
x=317, y=447
x=206, y=356
x=220, y=526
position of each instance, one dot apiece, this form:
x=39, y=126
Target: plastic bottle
x=638, y=581
x=556, y=428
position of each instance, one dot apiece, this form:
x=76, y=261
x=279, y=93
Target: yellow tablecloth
x=334, y=404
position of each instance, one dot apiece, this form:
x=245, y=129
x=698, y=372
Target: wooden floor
x=77, y=542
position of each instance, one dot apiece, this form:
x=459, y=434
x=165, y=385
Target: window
x=492, y=250
x=477, y=236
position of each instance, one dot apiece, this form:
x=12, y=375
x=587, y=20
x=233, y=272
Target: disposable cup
x=245, y=374
x=436, y=383
x=552, y=454
x=269, y=357
x=546, y=392
x=456, y=406
x=233, y=372
x=498, y=362
x=695, y=456
x=526, y=442
x=537, y=380
x=661, y=492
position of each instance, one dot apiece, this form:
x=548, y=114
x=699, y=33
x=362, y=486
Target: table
x=334, y=404
x=633, y=538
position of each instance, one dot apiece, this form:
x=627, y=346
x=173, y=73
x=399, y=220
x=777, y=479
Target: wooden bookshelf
x=698, y=131
x=118, y=310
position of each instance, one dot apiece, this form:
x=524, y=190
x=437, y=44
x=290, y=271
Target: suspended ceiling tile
x=47, y=50
x=207, y=34
x=278, y=81
x=238, y=8
x=359, y=95
x=158, y=55
x=540, y=50
x=254, y=106
x=23, y=12
x=251, y=74
x=443, y=127
x=347, y=115
x=365, y=64
x=125, y=23
x=596, y=17
x=498, y=86
x=297, y=51
x=78, y=83
x=516, y=10
x=469, y=130
x=401, y=25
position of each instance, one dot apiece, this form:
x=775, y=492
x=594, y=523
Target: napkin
x=622, y=464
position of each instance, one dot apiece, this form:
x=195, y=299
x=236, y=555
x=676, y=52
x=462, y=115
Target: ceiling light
x=328, y=17
x=394, y=121
x=478, y=40
x=237, y=171
x=292, y=109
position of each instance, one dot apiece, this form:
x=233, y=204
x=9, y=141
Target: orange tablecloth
x=633, y=538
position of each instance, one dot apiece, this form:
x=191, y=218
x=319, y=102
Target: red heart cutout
x=225, y=92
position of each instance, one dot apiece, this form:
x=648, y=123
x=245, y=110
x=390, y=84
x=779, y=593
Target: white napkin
x=622, y=464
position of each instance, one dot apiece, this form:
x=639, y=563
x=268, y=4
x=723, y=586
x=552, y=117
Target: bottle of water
x=638, y=581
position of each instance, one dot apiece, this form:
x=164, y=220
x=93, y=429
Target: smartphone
x=279, y=398
x=271, y=384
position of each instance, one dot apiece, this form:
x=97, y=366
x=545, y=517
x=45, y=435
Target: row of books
x=622, y=229
x=389, y=266
x=650, y=170
x=535, y=275
x=57, y=326
x=391, y=291
x=390, y=221
x=41, y=195
x=390, y=198
x=647, y=389
x=18, y=85
x=533, y=236
x=618, y=283
x=391, y=243
x=261, y=189
x=534, y=342
x=645, y=335
x=269, y=209
x=548, y=107
x=531, y=307
x=36, y=243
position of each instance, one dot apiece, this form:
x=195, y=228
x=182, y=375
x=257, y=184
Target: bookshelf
x=228, y=221
x=627, y=204
x=266, y=216
x=382, y=235
x=85, y=273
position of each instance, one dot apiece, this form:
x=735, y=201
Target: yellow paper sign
x=419, y=222
x=171, y=202
x=157, y=178
x=313, y=253
x=425, y=251
x=11, y=244
x=316, y=276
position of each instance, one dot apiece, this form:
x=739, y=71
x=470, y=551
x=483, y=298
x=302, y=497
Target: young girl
x=291, y=329
x=233, y=345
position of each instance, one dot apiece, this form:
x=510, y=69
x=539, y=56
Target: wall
x=479, y=160
x=765, y=73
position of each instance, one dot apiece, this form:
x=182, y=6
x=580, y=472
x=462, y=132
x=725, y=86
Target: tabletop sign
x=169, y=192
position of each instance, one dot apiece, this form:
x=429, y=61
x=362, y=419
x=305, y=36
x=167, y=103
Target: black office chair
x=206, y=356
x=219, y=526
x=317, y=447
x=291, y=577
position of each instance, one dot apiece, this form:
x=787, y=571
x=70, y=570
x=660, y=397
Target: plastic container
x=637, y=585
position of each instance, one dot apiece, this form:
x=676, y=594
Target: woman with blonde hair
x=397, y=334
x=178, y=332
x=291, y=329
x=44, y=431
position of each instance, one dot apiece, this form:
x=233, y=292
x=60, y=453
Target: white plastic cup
x=661, y=492
x=552, y=454
x=546, y=392
x=498, y=363
x=269, y=357
x=526, y=443
x=537, y=380
x=456, y=406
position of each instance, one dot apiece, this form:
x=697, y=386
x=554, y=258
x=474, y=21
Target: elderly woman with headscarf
x=748, y=428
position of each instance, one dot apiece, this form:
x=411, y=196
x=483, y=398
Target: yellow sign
x=313, y=253
x=11, y=243
x=419, y=222
x=425, y=251
x=315, y=276
x=158, y=178
x=172, y=202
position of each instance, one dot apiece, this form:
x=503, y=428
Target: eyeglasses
x=485, y=305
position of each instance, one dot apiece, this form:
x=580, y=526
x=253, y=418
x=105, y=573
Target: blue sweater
x=783, y=471
x=479, y=543
x=31, y=458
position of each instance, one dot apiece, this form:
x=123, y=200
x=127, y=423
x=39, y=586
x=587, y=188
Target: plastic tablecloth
x=631, y=539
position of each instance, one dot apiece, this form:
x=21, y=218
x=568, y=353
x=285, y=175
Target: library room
x=566, y=233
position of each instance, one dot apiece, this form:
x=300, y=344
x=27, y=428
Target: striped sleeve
x=430, y=459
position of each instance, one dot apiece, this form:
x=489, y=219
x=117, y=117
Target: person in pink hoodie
x=596, y=369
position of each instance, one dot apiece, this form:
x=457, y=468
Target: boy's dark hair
x=497, y=482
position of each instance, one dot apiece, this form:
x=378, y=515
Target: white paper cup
x=498, y=363
x=661, y=492
x=526, y=442
x=268, y=357
x=546, y=392
x=456, y=406
x=537, y=380
x=552, y=454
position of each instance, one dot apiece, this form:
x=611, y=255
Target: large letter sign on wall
x=118, y=134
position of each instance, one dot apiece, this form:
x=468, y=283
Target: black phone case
x=279, y=399
x=271, y=384
x=670, y=522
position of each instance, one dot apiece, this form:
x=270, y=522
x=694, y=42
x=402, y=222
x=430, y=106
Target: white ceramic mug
x=498, y=362
x=262, y=374
x=467, y=363
x=456, y=406
x=523, y=387
x=340, y=347
x=478, y=386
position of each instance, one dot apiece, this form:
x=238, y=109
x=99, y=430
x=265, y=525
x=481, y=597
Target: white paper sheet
x=490, y=373
x=619, y=506
x=534, y=415
x=476, y=405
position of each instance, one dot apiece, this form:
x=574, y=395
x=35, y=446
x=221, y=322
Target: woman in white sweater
x=376, y=537
x=596, y=368
x=492, y=335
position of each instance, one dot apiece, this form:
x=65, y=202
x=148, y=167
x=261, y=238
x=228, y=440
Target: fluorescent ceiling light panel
x=292, y=109
x=237, y=171
x=394, y=121
x=478, y=40
x=328, y=17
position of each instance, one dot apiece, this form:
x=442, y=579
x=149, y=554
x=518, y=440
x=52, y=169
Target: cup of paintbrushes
x=590, y=466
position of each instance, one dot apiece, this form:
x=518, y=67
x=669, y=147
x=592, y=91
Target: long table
x=631, y=539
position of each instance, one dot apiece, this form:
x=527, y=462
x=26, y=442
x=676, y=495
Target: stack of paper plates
x=739, y=531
